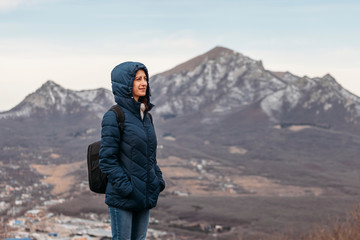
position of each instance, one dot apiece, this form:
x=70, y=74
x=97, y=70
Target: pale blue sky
x=76, y=43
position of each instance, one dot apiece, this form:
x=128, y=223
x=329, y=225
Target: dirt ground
x=261, y=186
x=59, y=176
x=182, y=177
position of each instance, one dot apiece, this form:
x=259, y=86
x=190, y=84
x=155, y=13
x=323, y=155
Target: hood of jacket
x=122, y=79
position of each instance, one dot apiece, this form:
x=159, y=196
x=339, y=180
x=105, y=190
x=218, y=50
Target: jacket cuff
x=162, y=185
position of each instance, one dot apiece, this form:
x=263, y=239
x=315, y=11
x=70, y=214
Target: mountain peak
x=196, y=61
x=50, y=83
x=218, y=50
x=50, y=86
x=328, y=77
x=216, y=81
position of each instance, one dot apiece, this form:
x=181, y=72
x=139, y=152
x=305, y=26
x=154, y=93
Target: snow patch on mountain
x=23, y=112
x=272, y=105
x=88, y=95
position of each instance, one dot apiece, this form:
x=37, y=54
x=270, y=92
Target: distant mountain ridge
x=217, y=82
x=51, y=98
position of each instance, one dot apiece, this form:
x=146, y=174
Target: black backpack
x=97, y=179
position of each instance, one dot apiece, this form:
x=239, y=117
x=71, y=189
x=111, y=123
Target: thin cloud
x=10, y=5
x=6, y=5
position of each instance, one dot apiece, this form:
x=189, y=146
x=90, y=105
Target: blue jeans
x=128, y=225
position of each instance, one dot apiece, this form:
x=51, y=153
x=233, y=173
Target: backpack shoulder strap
x=120, y=117
x=150, y=118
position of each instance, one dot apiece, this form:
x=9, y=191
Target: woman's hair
x=144, y=100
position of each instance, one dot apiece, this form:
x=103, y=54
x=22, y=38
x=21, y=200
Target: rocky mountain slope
x=223, y=81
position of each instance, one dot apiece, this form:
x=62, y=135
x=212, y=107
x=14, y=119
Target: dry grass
x=348, y=229
x=59, y=176
x=262, y=186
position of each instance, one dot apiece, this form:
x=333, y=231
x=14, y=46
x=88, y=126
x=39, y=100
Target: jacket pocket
x=123, y=190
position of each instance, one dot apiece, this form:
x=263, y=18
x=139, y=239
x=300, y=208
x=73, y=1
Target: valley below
x=206, y=197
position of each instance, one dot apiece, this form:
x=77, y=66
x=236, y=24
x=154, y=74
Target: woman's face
x=140, y=85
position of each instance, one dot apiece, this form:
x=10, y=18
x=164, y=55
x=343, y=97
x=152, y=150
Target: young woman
x=129, y=158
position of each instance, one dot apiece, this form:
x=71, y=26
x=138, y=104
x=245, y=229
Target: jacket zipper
x=147, y=162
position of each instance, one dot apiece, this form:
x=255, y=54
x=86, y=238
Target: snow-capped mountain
x=223, y=81
x=51, y=98
x=312, y=99
x=219, y=81
x=216, y=83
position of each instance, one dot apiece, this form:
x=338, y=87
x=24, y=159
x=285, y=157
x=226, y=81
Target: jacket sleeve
x=108, y=155
x=159, y=175
x=157, y=168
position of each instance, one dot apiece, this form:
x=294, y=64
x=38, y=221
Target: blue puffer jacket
x=129, y=160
